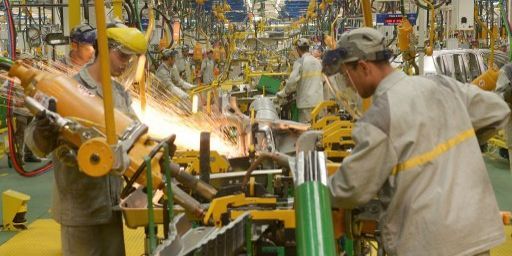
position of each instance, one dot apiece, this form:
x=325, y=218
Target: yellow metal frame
x=287, y=216
x=118, y=8
x=13, y=202
x=368, y=22
x=219, y=206
x=318, y=110
x=218, y=163
x=108, y=102
x=75, y=15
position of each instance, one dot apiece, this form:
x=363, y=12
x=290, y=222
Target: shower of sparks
x=164, y=113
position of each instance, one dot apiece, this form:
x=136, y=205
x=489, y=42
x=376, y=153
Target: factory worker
x=504, y=88
x=168, y=75
x=306, y=80
x=317, y=52
x=207, y=67
x=83, y=38
x=336, y=87
x=417, y=150
x=183, y=63
x=83, y=205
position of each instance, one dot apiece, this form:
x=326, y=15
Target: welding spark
x=164, y=115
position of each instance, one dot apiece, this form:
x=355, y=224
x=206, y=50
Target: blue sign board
x=392, y=19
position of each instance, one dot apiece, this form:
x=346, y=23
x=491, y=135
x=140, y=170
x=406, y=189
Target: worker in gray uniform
x=83, y=205
x=503, y=88
x=83, y=38
x=417, y=150
x=207, y=67
x=183, y=63
x=305, y=80
x=168, y=75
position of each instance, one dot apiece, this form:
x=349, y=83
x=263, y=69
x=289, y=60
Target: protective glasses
x=123, y=56
x=332, y=60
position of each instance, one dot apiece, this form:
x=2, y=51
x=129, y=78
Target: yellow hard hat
x=131, y=39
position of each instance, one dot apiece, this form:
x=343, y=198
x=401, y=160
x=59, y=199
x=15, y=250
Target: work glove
x=281, y=97
x=45, y=133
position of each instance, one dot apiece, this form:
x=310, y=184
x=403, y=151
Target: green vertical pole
x=314, y=231
x=504, y=18
x=349, y=247
x=167, y=171
x=149, y=192
x=248, y=237
x=279, y=250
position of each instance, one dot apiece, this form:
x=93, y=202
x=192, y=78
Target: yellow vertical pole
x=99, y=7
x=118, y=9
x=74, y=13
x=209, y=102
x=141, y=80
x=140, y=77
x=367, y=13
x=368, y=22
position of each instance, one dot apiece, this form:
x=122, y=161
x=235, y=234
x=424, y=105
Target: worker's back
x=441, y=189
x=310, y=87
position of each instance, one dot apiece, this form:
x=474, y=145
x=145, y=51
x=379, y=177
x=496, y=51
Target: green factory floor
x=39, y=188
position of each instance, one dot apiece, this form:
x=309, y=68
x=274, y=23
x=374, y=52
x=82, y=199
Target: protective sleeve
x=293, y=80
x=488, y=112
x=177, y=80
x=364, y=172
x=165, y=77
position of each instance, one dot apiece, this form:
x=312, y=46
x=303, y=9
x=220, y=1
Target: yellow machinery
x=406, y=45
x=262, y=209
x=336, y=132
x=190, y=159
x=82, y=123
x=487, y=80
x=14, y=208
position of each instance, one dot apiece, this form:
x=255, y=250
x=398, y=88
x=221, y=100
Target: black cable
x=5, y=66
x=128, y=188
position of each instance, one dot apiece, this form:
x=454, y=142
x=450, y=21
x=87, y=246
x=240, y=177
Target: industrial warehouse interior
x=255, y=127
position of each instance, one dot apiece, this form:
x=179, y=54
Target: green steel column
x=314, y=231
x=151, y=216
x=279, y=250
x=248, y=237
x=167, y=171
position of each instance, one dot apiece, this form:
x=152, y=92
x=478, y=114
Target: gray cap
x=363, y=44
x=302, y=42
x=167, y=53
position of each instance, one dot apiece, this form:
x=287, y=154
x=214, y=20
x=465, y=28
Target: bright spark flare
x=162, y=125
x=164, y=114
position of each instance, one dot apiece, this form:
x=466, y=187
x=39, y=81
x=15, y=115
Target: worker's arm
x=165, y=78
x=177, y=80
x=203, y=67
x=292, y=81
x=364, y=172
x=488, y=112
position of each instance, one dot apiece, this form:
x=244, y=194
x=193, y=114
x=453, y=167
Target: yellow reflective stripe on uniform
x=434, y=153
x=311, y=74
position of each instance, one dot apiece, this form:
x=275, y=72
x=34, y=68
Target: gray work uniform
x=164, y=74
x=177, y=80
x=306, y=79
x=83, y=205
x=183, y=65
x=207, y=70
x=417, y=149
x=504, y=83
